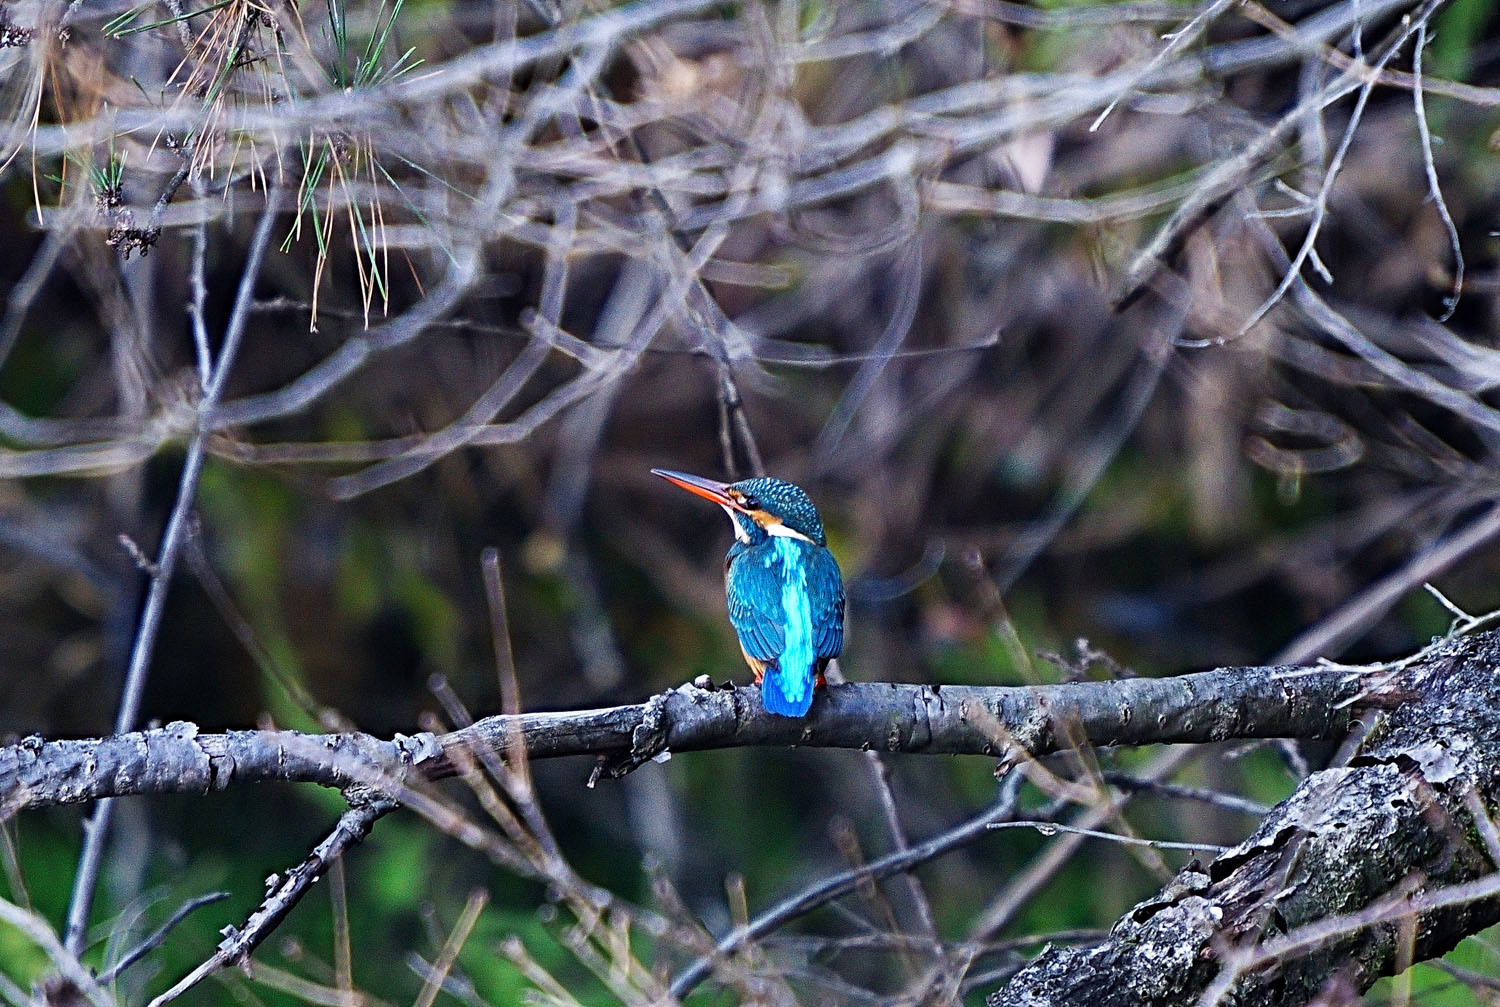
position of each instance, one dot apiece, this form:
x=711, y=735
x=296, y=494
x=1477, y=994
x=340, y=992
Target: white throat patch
x=734, y=522
x=782, y=531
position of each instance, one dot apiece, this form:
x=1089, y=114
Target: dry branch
x=1000, y=721
x=1364, y=869
x=377, y=776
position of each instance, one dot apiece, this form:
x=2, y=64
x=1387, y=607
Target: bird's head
x=757, y=507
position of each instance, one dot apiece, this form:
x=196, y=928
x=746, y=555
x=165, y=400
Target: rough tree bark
x=1367, y=867
x=1005, y=722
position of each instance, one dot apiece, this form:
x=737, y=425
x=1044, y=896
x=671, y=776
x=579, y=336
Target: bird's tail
x=787, y=695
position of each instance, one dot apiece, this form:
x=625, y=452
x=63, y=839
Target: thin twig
x=173, y=539
x=437, y=975
x=159, y=935
x=842, y=884
x=1052, y=828
x=1434, y=187
x=353, y=826
x=1319, y=202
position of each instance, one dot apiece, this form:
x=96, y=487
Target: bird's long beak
x=698, y=486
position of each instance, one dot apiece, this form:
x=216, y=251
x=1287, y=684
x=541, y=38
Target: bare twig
x=1053, y=828
x=158, y=936
x=1434, y=186
x=283, y=893
x=1319, y=201
x=842, y=884
x=173, y=539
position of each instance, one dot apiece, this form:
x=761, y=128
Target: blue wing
x=754, y=592
x=826, y=586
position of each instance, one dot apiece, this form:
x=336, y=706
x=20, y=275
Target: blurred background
x=1110, y=339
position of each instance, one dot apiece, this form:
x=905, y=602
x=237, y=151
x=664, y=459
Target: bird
x=783, y=586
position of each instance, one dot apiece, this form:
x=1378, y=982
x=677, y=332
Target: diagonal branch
x=1366, y=868
x=828, y=889
x=283, y=893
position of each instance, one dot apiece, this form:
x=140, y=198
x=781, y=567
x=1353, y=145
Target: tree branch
x=1363, y=870
x=283, y=893
x=1005, y=722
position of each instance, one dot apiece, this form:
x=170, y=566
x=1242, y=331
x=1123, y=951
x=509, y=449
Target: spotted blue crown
x=781, y=499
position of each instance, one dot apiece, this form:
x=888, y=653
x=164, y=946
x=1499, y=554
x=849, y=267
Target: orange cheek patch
x=763, y=518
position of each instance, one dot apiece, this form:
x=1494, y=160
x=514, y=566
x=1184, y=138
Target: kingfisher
x=785, y=592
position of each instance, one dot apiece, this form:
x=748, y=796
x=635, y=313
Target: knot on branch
x=648, y=740
x=361, y=795
x=390, y=761
x=415, y=749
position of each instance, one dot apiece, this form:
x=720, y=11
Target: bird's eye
x=751, y=503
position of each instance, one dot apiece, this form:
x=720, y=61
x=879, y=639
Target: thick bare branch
x=1272, y=702
x=1321, y=888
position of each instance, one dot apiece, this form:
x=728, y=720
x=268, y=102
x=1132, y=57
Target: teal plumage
x=786, y=603
x=783, y=586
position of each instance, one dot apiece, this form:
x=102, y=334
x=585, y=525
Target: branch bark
x=1005, y=722
x=1364, y=869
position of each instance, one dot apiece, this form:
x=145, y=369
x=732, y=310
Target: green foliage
x=1432, y=986
x=41, y=372
x=129, y=23
x=45, y=855
x=106, y=180
x=336, y=163
x=1457, y=30
x=21, y=959
x=351, y=68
